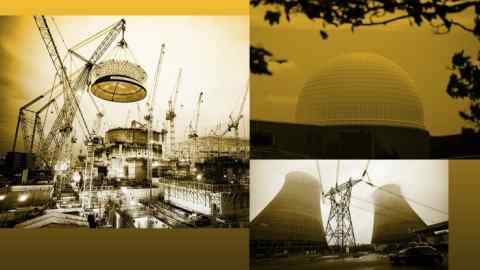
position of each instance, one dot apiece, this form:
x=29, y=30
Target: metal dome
x=360, y=89
x=119, y=81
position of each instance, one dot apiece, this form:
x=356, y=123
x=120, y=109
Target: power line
x=401, y=214
x=409, y=199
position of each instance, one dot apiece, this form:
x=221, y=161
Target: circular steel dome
x=119, y=81
x=360, y=89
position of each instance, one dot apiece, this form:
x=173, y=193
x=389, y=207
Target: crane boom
x=193, y=125
x=177, y=88
x=197, y=115
x=240, y=115
x=66, y=115
x=62, y=125
x=149, y=117
x=151, y=102
x=170, y=115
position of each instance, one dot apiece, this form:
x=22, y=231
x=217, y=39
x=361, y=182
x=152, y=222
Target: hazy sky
x=212, y=51
x=424, y=55
x=425, y=181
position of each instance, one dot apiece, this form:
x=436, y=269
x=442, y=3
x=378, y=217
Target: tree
x=438, y=14
x=465, y=83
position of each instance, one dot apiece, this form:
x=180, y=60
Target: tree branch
x=461, y=26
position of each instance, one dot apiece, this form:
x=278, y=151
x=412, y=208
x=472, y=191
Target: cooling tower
x=394, y=219
x=292, y=220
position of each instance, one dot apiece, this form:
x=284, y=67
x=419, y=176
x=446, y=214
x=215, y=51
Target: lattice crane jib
x=149, y=116
x=171, y=114
x=234, y=121
x=61, y=128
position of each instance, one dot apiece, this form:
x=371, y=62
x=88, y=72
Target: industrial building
x=207, y=146
x=291, y=223
x=358, y=105
x=367, y=213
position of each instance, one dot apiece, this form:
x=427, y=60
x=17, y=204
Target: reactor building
x=122, y=155
x=358, y=105
x=292, y=221
x=394, y=220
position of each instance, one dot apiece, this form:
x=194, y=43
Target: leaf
x=323, y=34
x=273, y=17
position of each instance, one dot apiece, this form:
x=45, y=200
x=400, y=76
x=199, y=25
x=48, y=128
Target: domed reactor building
x=394, y=220
x=358, y=105
x=292, y=221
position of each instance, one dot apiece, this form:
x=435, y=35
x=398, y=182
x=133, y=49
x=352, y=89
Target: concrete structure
x=292, y=221
x=126, y=196
x=123, y=154
x=222, y=200
x=54, y=220
x=357, y=105
x=208, y=146
x=394, y=219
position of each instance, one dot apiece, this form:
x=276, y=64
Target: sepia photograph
x=365, y=79
x=124, y=122
x=349, y=214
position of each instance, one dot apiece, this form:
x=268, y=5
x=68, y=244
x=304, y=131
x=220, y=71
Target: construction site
x=72, y=165
x=359, y=221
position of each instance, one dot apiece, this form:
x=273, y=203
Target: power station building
x=207, y=146
x=394, y=220
x=358, y=105
x=123, y=154
x=292, y=221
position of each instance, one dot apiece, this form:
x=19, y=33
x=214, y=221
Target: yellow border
x=127, y=7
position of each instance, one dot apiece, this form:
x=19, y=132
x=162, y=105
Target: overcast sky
x=424, y=181
x=212, y=51
x=424, y=55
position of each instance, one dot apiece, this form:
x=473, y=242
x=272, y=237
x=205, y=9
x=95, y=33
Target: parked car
x=417, y=255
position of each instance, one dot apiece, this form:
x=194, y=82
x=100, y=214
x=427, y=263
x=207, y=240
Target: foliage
x=362, y=13
x=438, y=14
x=465, y=83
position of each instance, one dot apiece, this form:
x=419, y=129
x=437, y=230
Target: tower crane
x=149, y=120
x=235, y=121
x=163, y=131
x=193, y=129
x=170, y=115
x=218, y=134
x=149, y=116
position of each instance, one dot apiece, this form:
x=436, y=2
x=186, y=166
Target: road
x=367, y=262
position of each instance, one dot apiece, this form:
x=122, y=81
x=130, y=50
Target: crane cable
x=59, y=33
x=94, y=37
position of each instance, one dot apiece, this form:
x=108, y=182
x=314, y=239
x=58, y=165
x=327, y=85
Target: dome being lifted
x=119, y=79
x=360, y=89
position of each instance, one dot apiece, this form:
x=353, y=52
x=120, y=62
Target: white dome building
x=360, y=89
x=357, y=105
